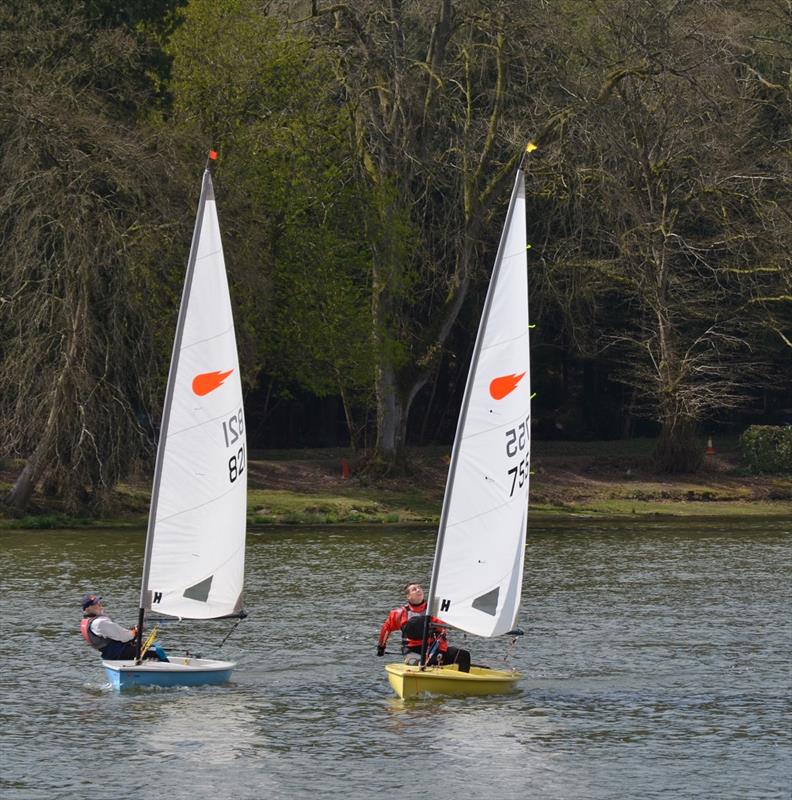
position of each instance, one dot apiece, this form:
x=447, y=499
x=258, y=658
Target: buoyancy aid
x=93, y=639
x=412, y=635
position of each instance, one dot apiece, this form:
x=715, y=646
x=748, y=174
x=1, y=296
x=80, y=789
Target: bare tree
x=80, y=183
x=438, y=96
x=671, y=178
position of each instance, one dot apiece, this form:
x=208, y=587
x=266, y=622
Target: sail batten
x=206, y=339
x=478, y=566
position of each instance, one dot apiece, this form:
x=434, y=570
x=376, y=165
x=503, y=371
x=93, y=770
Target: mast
x=496, y=270
x=206, y=191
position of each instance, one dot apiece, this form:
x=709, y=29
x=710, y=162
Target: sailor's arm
x=391, y=624
x=111, y=630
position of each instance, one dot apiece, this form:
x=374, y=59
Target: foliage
x=81, y=187
x=767, y=448
x=366, y=151
x=439, y=97
x=292, y=226
x=665, y=189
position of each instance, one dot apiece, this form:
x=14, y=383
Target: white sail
x=195, y=550
x=477, y=574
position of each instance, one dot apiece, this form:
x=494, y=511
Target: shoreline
x=322, y=488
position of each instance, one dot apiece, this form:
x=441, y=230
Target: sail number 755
x=233, y=430
x=517, y=440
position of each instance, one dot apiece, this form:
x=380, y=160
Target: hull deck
x=408, y=681
x=176, y=672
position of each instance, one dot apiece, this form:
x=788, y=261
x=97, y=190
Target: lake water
x=656, y=661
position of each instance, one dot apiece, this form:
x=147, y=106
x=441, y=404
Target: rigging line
x=236, y=625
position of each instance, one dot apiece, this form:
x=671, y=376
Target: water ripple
x=657, y=665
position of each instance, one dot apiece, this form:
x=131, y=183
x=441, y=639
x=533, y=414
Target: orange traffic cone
x=710, y=451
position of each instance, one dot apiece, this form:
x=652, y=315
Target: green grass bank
x=324, y=487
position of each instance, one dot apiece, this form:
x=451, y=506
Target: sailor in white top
x=113, y=641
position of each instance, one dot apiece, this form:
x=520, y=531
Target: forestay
x=195, y=549
x=477, y=574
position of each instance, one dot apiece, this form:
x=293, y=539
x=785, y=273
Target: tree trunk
x=19, y=496
x=391, y=415
x=678, y=449
x=393, y=412
x=354, y=442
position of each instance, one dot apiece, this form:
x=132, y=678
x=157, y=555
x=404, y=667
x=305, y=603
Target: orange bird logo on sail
x=504, y=385
x=207, y=382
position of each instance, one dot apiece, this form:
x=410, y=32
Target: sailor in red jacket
x=409, y=619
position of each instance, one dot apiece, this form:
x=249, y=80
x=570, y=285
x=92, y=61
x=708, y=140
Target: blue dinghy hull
x=175, y=672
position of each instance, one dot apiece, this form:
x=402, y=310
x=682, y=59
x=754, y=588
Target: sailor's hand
x=380, y=649
x=133, y=631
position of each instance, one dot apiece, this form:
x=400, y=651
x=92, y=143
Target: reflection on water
x=657, y=664
x=203, y=727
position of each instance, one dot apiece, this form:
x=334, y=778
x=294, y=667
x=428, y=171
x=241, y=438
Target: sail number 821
x=517, y=440
x=233, y=430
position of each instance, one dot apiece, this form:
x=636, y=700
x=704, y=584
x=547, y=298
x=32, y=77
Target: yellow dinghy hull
x=408, y=680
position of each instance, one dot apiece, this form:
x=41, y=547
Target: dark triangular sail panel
x=199, y=591
x=488, y=603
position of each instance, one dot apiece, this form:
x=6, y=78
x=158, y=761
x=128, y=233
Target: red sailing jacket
x=398, y=618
